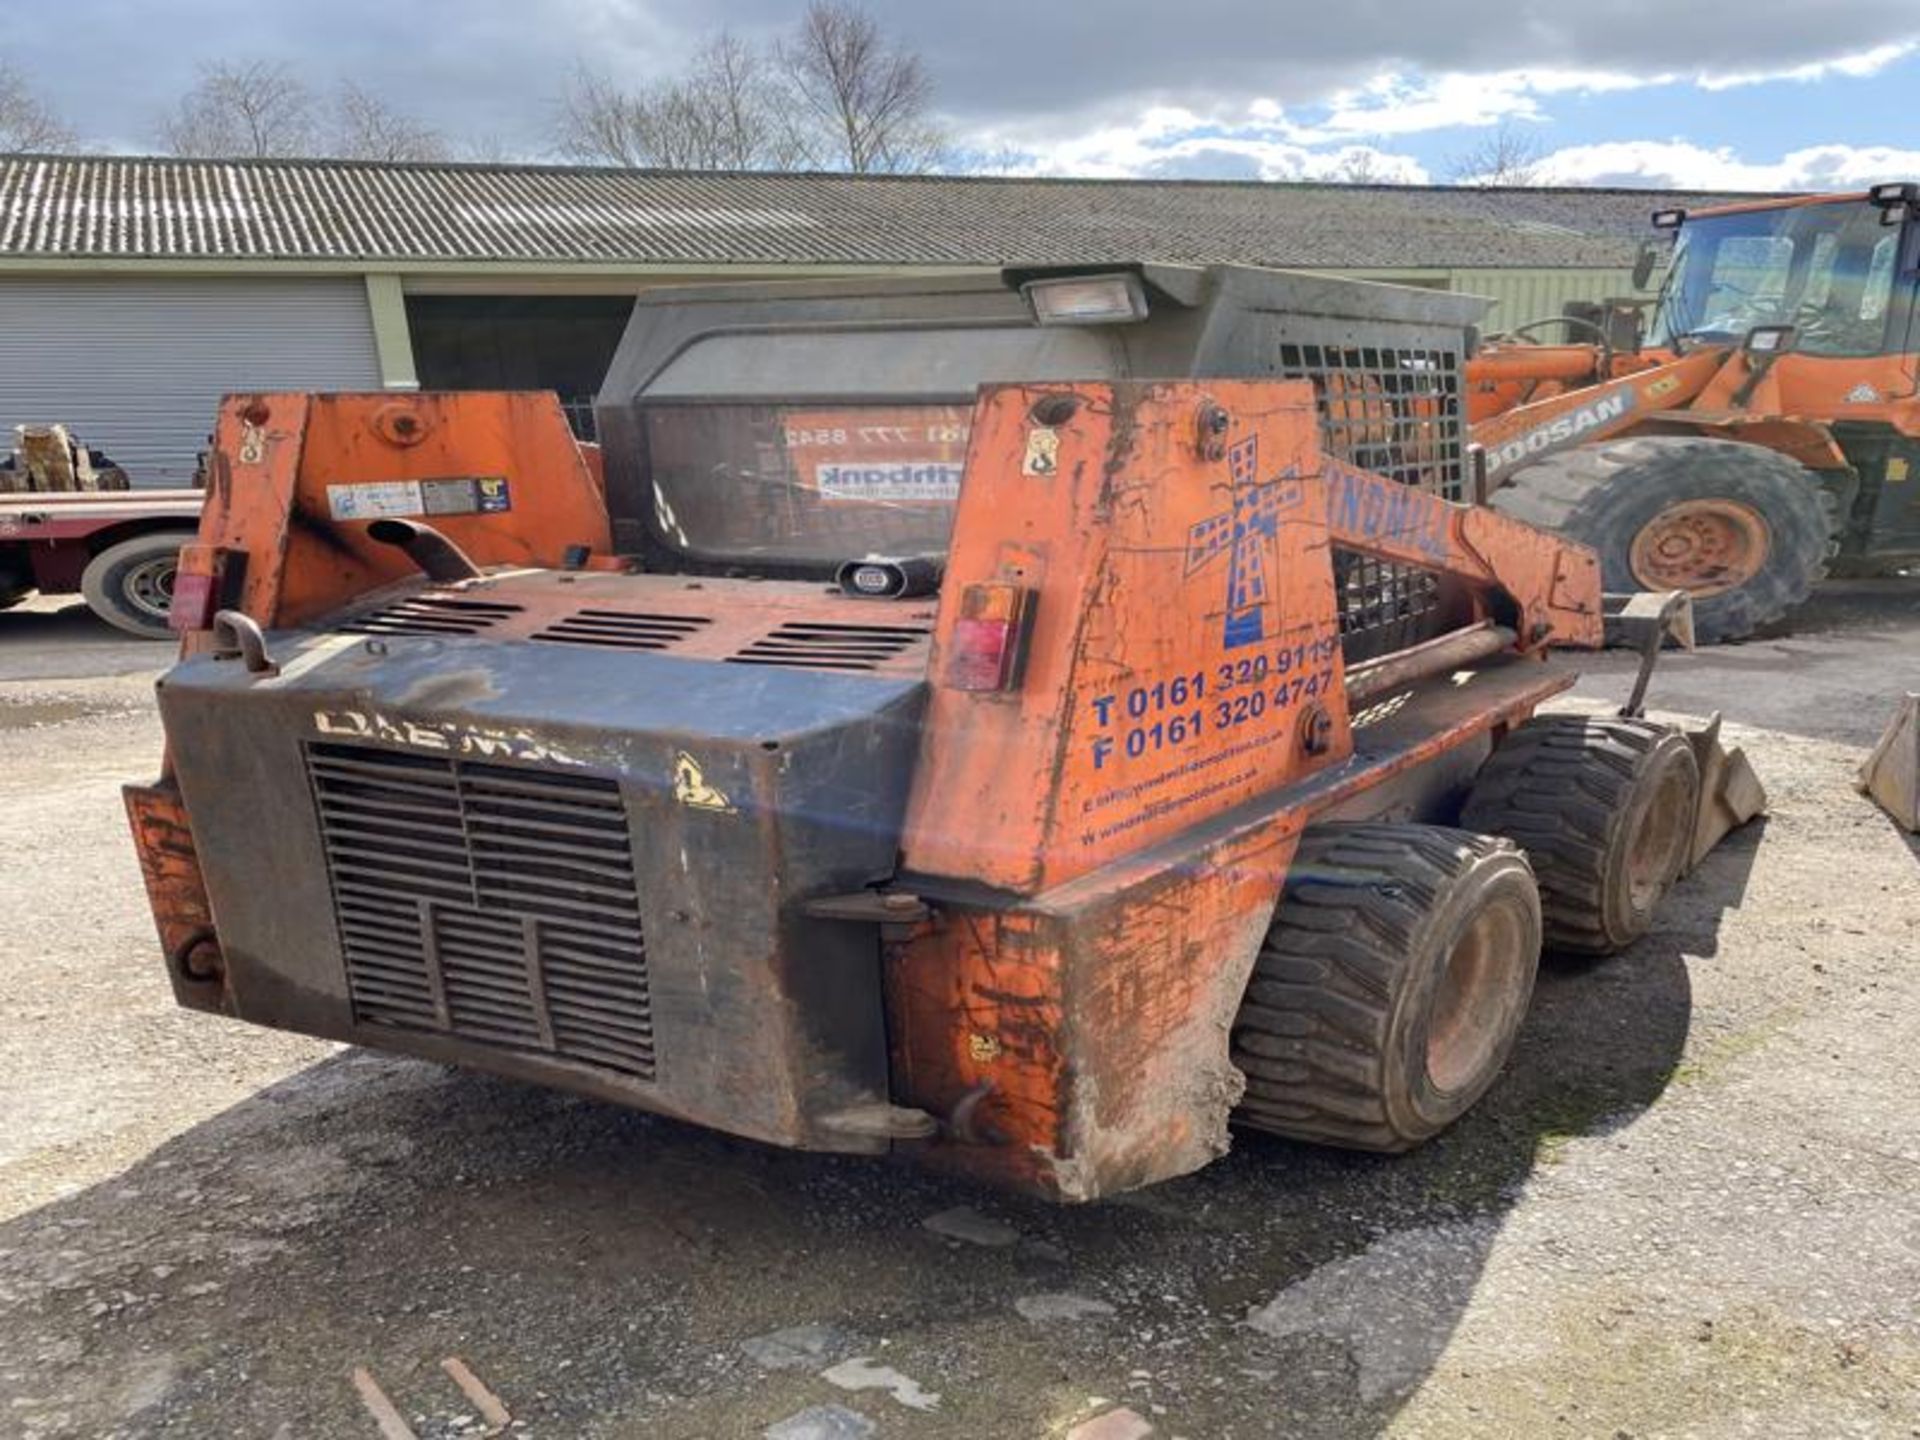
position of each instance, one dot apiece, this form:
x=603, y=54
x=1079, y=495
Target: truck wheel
x=1390, y=987
x=1741, y=528
x=1604, y=808
x=130, y=585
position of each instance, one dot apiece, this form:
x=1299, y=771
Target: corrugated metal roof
x=86, y=207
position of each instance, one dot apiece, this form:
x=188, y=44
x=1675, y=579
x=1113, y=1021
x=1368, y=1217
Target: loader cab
x=1836, y=271
x=782, y=429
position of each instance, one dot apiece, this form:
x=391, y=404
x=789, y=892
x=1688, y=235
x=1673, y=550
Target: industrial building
x=135, y=291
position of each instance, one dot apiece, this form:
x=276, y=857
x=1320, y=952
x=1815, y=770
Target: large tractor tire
x=1741, y=528
x=1604, y=808
x=1391, y=985
x=130, y=585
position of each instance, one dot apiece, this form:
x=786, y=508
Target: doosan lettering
x=1559, y=431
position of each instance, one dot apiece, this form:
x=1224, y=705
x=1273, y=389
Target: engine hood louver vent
x=488, y=902
x=622, y=629
x=820, y=645
x=432, y=615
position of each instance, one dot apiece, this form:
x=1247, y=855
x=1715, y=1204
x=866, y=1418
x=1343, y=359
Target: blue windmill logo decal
x=1246, y=535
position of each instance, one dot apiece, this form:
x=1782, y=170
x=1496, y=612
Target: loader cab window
x=1827, y=270
x=805, y=484
x=807, y=446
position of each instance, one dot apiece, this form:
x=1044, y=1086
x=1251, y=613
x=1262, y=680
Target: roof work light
x=1087, y=300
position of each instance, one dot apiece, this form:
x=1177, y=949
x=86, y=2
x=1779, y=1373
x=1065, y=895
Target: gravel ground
x=1691, y=1208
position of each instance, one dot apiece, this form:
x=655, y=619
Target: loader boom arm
x=1579, y=417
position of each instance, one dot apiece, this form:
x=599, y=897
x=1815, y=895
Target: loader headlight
x=1087, y=300
x=1769, y=339
x=1894, y=200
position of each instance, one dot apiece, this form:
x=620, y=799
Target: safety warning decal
x=453, y=495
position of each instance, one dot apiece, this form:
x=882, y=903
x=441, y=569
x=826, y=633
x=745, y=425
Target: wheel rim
x=1704, y=547
x=1466, y=1028
x=1654, y=850
x=148, y=586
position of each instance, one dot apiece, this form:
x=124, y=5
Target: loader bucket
x=1891, y=776
x=1730, y=793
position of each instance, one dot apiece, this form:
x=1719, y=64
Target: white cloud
x=1678, y=164
x=1169, y=141
x=1397, y=104
x=1857, y=66
x=1343, y=135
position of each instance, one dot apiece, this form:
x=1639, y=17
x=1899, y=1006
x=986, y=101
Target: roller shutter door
x=136, y=366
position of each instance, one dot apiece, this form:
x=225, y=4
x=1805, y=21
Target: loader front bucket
x=1730, y=793
x=1891, y=776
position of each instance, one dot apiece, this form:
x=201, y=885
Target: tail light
x=987, y=650
x=196, y=589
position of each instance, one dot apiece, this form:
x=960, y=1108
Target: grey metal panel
x=136, y=365
x=923, y=361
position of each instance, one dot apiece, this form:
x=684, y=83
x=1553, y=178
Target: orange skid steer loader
x=1092, y=817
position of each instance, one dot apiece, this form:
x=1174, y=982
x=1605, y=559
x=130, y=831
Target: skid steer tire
x=1604, y=808
x=1390, y=987
x=1743, y=529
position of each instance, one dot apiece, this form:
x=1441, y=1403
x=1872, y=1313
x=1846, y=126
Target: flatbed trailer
x=118, y=548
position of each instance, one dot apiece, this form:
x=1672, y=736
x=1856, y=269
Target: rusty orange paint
x=1083, y=1033
x=1111, y=742
x=279, y=460
x=176, y=891
x=1136, y=800
x=1023, y=790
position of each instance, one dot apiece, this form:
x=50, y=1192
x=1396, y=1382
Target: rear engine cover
x=578, y=865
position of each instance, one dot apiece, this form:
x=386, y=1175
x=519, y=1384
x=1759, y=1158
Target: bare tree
x=28, y=125
x=489, y=147
x=595, y=122
x=254, y=108
x=1359, y=165
x=724, y=113
x=740, y=96
x=1507, y=155
x=865, y=100
x=366, y=127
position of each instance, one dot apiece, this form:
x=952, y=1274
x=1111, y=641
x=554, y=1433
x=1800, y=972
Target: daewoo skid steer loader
x=947, y=743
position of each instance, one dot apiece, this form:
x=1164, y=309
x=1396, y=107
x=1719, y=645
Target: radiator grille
x=1395, y=411
x=489, y=902
x=432, y=615
x=822, y=646
x=622, y=629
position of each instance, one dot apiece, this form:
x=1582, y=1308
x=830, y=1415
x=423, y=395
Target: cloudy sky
x=1714, y=93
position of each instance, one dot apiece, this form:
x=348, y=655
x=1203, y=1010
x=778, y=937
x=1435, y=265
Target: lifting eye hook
x=237, y=636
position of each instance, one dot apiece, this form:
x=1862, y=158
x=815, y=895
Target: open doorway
x=561, y=343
